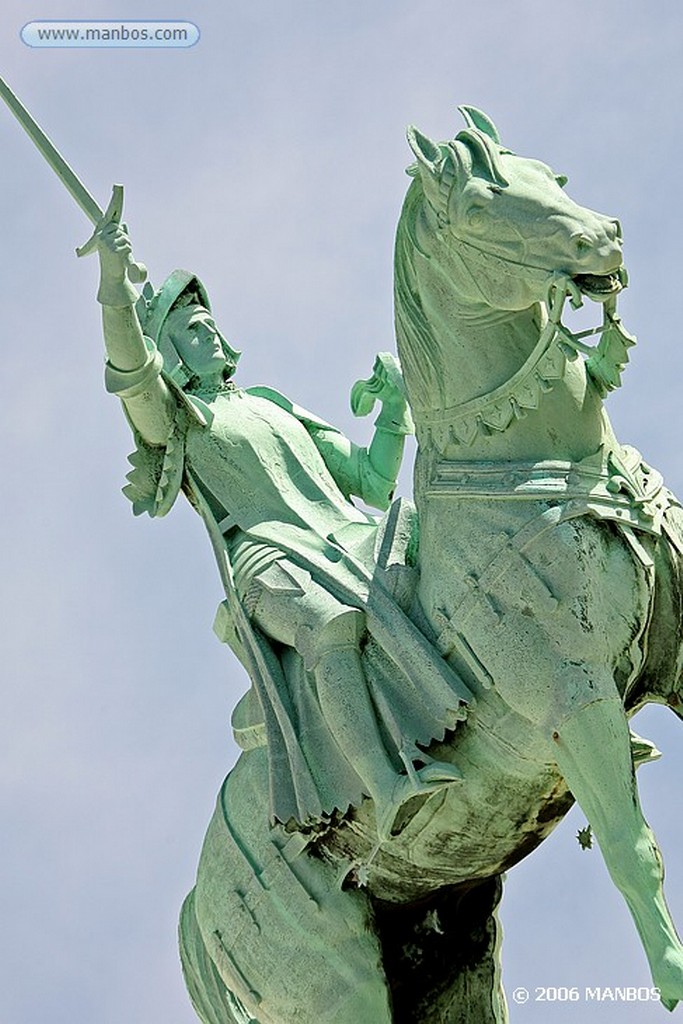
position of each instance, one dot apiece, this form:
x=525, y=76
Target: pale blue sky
x=269, y=159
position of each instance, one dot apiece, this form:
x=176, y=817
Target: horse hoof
x=669, y=978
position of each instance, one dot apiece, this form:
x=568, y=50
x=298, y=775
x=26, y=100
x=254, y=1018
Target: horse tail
x=212, y=1001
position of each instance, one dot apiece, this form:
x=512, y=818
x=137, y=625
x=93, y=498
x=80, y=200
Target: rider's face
x=198, y=343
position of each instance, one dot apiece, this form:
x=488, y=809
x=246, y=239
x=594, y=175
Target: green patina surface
x=522, y=624
x=431, y=687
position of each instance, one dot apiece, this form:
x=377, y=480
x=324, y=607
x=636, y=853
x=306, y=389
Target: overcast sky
x=269, y=158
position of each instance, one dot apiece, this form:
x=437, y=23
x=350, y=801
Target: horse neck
x=476, y=348
x=451, y=348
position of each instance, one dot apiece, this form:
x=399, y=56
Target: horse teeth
x=597, y=284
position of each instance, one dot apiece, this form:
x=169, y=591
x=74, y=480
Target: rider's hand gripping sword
x=136, y=271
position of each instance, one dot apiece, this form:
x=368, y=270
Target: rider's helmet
x=155, y=311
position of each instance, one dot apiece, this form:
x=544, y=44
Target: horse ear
x=427, y=152
x=478, y=119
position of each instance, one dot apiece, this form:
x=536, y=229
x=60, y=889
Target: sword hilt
x=137, y=272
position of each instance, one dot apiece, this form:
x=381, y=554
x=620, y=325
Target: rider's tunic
x=273, y=484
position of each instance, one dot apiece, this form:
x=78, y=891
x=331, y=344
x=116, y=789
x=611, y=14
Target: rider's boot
x=420, y=782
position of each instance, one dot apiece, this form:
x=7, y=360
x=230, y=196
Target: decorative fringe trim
x=494, y=413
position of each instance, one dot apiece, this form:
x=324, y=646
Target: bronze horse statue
x=529, y=601
x=542, y=559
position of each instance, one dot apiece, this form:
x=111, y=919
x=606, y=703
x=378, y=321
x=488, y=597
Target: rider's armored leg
x=347, y=706
x=328, y=635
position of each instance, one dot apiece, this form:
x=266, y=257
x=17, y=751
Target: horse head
x=505, y=221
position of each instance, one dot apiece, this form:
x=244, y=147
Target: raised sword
x=137, y=272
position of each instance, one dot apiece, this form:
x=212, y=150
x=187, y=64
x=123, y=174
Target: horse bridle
x=605, y=361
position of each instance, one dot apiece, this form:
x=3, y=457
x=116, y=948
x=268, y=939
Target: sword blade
x=54, y=158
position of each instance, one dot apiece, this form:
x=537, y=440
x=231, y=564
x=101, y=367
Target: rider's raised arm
x=133, y=362
x=371, y=473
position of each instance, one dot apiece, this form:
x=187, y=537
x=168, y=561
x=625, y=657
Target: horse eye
x=496, y=189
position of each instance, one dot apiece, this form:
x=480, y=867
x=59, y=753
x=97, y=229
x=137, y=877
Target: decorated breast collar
x=497, y=409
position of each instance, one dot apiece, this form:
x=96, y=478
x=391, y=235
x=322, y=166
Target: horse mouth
x=600, y=286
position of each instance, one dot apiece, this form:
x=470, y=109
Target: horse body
x=541, y=598
x=540, y=542
x=541, y=664
x=512, y=800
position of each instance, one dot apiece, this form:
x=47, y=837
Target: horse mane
x=421, y=358
x=471, y=153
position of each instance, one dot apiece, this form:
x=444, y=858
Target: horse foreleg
x=593, y=752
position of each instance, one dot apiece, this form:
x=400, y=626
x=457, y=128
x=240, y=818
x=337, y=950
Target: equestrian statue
x=434, y=685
